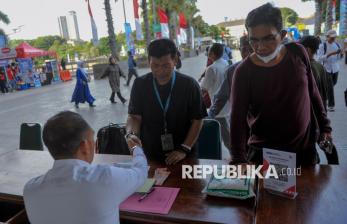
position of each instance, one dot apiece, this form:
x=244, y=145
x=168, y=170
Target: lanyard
x=167, y=104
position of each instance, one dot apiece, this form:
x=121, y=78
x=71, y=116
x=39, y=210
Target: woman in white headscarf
x=81, y=93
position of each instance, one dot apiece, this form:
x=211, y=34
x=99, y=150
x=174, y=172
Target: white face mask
x=267, y=59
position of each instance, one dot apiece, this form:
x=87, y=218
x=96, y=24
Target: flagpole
x=154, y=12
x=125, y=17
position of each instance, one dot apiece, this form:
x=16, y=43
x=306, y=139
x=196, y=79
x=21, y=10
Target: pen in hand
x=146, y=194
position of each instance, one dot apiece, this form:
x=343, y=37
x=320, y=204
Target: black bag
x=111, y=140
x=346, y=97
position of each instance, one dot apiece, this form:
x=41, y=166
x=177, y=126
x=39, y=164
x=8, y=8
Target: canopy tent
x=25, y=50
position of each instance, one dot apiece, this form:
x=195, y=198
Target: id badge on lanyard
x=167, y=142
x=166, y=139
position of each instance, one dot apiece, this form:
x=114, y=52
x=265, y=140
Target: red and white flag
x=182, y=32
x=164, y=23
x=95, y=39
x=139, y=34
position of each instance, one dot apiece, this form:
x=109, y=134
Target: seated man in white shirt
x=75, y=191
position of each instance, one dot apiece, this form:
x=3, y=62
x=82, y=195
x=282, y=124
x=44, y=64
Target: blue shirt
x=131, y=62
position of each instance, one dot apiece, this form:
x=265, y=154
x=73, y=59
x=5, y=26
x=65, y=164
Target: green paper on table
x=146, y=187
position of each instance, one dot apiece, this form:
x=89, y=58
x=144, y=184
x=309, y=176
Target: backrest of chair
x=209, y=141
x=30, y=136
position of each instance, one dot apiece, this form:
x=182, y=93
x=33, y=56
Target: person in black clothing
x=165, y=107
x=3, y=83
x=132, y=68
x=63, y=64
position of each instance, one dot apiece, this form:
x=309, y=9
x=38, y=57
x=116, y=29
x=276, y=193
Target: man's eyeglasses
x=270, y=39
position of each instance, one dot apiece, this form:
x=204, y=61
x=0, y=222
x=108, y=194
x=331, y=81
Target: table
x=191, y=206
x=322, y=198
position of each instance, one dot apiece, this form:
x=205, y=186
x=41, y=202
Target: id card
x=167, y=142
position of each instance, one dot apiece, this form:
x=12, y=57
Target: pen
x=145, y=195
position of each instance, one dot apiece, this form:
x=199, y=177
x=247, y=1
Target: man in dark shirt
x=166, y=107
x=311, y=43
x=275, y=92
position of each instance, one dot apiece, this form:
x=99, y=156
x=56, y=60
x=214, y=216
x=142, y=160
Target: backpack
x=325, y=47
x=111, y=140
x=338, y=46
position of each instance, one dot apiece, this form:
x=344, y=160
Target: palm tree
x=111, y=35
x=190, y=10
x=317, y=16
x=146, y=22
x=3, y=18
x=329, y=16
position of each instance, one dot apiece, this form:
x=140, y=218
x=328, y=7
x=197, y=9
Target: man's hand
x=174, y=157
x=133, y=141
x=334, y=53
x=326, y=137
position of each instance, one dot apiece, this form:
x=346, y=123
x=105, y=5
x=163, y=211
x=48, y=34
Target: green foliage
x=289, y=17
x=4, y=18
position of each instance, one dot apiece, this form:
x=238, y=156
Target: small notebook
x=146, y=187
x=159, y=201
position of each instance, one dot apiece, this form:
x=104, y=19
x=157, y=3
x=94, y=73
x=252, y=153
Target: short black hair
x=63, y=133
x=244, y=41
x=110, y=58
x=162, y=47
x=310, y=42
x=266, y=14
x=217, y=49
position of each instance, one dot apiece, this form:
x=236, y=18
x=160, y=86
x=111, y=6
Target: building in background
x=63, y=28
x=73, y=26
x=68, y=27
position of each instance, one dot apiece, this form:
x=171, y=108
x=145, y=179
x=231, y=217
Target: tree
x=329, y=16
x=144, y=7
x=45, y=42
x=289, y=16
x=3, y=18
x=189, y=11
x=200, y=26
x=111, y=35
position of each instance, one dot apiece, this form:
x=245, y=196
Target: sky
x=40, y=17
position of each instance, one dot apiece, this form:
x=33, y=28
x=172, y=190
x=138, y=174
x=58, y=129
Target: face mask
x=267, y=59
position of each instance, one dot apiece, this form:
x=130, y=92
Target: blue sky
x=39, y=17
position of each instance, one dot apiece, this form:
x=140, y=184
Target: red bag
x=206, y=98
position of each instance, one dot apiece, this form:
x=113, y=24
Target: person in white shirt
x=74, y=190
x=329, y=54
x=214, y=77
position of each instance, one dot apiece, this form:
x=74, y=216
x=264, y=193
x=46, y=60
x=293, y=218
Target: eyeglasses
x=270, y=39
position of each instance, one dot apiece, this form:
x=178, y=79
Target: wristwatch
x=186, y=149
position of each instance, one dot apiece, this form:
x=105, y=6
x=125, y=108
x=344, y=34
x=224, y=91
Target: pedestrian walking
x=329, y=54
x=114, y=72
x=81, y=93
x=131, y=68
